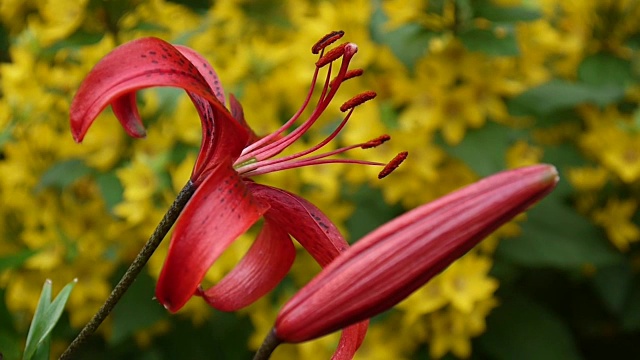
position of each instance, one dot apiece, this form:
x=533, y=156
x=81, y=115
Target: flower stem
x=134, y=269
x=269, y=344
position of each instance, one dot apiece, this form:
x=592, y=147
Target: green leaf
x=505, y=14
x=605, y=69
x=63, y=174
x=554, y=235
x=45, y=318
x=408, y=43
x=483, y=149
x=136, y=310
x=110, y=188
x=33, y=337
x=631, y=315
x=488, y=42
x=5, y=43
x=9, y=347
x=370, y=211
x=612, y=283
x=558, y=94
x=522, y=329
x=15, y=260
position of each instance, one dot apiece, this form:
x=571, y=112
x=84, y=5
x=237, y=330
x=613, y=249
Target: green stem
x=268, y=346
x=134, y=269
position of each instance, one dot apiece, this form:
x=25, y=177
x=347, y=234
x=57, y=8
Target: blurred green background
x=468, y=87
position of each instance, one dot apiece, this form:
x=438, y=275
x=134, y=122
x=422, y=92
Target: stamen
x=393, y=164
x=376, y=142
x=326, y=40
x=350, y=74
x=332, y=55
x=357, y=100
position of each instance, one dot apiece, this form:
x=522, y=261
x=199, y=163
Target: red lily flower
x=226, y=201
x=393, y=261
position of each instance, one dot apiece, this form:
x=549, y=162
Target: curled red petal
x=206, y=70
x=304, y=221
x=394, y=260
x=350, y=341
x=220, y=210
x=126, y=110
x=144, y=63
x=262, y=268
x=238, y=113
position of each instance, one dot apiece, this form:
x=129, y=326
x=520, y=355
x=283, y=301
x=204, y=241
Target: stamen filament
x=269, y=138
x=312, y=149
x=303, y=163
x=277, y=146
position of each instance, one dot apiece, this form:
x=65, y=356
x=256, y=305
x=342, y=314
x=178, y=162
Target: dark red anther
x=327, y=40
x=376, y=142
x=332, y=55
x=348, y=75
x=393, y=164
x=357, y=100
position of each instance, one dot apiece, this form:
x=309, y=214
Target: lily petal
x=238, y=113
x=393, y=261
x=126, y=111
x=220, y=210
x=206, y=70
x=149, y=62
x=350, y=341
x=266, y=263
x=304, y=221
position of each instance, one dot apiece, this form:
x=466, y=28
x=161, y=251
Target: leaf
x=33, y=337
x=110, y=188
x=136, y=310
x=483, y=149
x=15, y=260
x=408, y=43
x=63, y=174
x=554, y=235
x=508, y=14
x=370, y=211
x=522, y=329
x=45, y=318
x=559, y=94
x=631, y=315
x=500, y=41
x=4, y=44
x=605, y=69
x=613, y=283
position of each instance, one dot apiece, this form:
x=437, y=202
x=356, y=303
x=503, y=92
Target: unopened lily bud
x=393, y=261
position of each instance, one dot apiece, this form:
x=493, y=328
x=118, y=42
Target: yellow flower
x=588, y=178
x=57, y=19
x=449, y=334
x=521, y=153
x=466, y=282
x=425, y=300
x=615, y=217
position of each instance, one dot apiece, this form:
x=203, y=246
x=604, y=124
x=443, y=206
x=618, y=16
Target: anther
x=393, y=164
x=348, y=75
x=376, y=142
x=332, y=55
x=357, y=100
x=326, y=40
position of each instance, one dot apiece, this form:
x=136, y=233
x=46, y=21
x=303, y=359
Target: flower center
x=259, y=157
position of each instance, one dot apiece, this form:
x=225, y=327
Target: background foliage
x=468, y=87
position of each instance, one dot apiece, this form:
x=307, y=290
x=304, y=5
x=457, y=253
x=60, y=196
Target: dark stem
x=268, y=345
x=134, y=269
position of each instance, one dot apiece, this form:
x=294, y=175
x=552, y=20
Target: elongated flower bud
x=396, y=259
